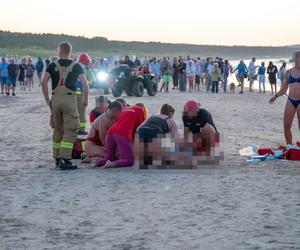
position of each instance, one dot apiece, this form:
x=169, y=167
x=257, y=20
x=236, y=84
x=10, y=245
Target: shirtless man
x=95, y=143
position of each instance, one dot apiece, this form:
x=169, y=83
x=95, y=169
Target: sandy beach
x=239, y=205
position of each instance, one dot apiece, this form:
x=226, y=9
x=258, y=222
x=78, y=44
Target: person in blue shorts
x=13, y=71
x=3, y=74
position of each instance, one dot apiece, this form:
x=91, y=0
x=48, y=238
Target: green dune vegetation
x=13, y=43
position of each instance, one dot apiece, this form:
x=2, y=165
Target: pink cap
x=191, y=105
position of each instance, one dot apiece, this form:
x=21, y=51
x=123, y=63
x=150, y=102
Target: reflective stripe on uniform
x=82, y=125
x=65, y=144
x=56, y=145
x=78, y=91
x=83, y=146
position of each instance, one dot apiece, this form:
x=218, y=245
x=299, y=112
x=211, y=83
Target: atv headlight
x=102, y=76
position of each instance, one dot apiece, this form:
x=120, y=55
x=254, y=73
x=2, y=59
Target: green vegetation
x=45, y=45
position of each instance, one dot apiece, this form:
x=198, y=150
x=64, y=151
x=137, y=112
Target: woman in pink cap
x=198, y=122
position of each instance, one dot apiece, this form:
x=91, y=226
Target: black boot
x=57, y=162
x=65, y=164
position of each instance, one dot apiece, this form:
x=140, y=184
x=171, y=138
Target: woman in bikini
x=291, y=82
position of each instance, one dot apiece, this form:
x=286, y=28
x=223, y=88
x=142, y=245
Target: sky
x=213, y=22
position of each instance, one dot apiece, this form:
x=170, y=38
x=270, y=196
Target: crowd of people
x=12, y=71
x=213, y=73
x=115, y=125
x=121, y=132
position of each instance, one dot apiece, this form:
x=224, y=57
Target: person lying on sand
x=120, y=136
x=148, y=147
x=95, y=143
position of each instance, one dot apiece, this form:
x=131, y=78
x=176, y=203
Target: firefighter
x=64, y=74
x=84, y=60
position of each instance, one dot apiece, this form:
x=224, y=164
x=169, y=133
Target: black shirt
x=72, y=76
x=195, y=123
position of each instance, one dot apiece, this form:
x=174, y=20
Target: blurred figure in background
x=3, y=74
x=190, y=73
x=21, y=78
x=182, y=75
x=262, y=77
x=39, y=69
x=281, y=73
x=251, y=72
x=272, y=72
x=29, y=74
x=175, y=75
x=227, y=69
x=13, y=71
x=166, y=72
x=215, y=78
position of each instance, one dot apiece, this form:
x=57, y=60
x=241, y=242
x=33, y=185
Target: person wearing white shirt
x=190, y=73
x=251, y=71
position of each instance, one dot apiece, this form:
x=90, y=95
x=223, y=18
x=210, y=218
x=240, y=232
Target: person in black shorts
x=198, y=122
x=150, y=133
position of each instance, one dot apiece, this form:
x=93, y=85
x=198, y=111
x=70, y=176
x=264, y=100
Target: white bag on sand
x=247, y=151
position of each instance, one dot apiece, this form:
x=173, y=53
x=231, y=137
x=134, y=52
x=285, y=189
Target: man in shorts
x=13, y=71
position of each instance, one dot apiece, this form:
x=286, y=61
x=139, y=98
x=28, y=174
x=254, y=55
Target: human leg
x=288, y=117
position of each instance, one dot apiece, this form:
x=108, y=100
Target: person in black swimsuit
x=291, y=83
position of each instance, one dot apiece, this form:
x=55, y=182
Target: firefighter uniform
x=79, y=93
x=64, y=115
x=81, y=111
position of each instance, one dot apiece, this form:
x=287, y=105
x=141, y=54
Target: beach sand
x=239, y=205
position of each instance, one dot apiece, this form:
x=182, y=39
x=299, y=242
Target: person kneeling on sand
x=95, y=143
x=149, y=146
x=120, y=136
x=198, y=122
x=101, y=107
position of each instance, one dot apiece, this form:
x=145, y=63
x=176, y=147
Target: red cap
x=192, y=105
x=84, y=58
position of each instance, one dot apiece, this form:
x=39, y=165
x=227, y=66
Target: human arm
x=45, y=88
x=103, y=128
x=283, y=90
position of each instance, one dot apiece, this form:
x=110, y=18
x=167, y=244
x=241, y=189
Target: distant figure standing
x=13, y=71
x=281, y=73
x=215, y=78
x=251, y=71
x=128, y=62
x=39, y=69
x=242, y=72
x=155, y=68
x=261, y=77
x=182, y=75
x=21, y=78
x=137, y=62
x=29, y=74
x=47, y=62
x=175, y=73
x=209, y=70
x=190, y=73
x=227, y=68
x=272, y=72
x=198, y=73
x=166, y=72
x=3, y=74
